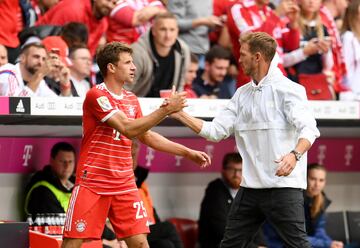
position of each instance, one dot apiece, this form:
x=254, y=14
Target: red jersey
x=77, y=11
x=10, y=24
x=245, y=16
x=120, y=21
x=105, y=164
x=220, y=8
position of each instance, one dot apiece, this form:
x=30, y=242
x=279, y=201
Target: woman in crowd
x=314, y=53
x=315, y=203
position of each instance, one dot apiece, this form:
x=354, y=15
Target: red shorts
x=87, y=213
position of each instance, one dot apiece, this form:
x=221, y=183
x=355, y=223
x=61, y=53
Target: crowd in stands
x=48, y=47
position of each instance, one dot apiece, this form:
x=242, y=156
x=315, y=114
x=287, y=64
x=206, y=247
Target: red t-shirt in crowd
x=105, y=164
x=77, y=11
x=10, y=23
x=120, y=21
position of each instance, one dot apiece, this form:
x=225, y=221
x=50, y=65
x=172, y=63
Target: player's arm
x=160, y=143
x=133, y=128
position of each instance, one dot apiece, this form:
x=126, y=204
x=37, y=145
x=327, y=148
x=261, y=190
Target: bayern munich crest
x=80, y=225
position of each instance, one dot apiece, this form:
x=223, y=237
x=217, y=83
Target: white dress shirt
x=267, y=120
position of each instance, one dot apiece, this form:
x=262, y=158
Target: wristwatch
x=297, y=155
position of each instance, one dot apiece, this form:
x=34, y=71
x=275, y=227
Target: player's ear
x=110, y=67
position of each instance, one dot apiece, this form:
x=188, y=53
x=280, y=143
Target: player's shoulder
x=97, y=89
x=129, y=95
x=96, y=92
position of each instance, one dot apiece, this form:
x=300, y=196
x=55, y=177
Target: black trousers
x=282, y=207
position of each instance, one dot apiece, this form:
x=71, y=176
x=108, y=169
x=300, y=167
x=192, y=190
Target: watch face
x=297, y=155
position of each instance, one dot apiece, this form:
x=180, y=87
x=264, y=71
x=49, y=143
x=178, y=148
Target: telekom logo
x=321, y=154
x=209, y=149
x=149, y=156
x=178, y=160
x=348, y=154
x=27, y=154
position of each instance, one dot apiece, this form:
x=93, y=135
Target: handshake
x=174, y=101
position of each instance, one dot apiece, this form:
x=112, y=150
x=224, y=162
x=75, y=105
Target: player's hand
x=200, y=158
x=176, y=101
x=286, y=165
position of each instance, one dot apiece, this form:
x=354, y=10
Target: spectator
x=80, y=70
x=157, y=52
x=351, y=51
x=216, y=203
x=315, y=205
x=221, y=35
x=195, y=19
x=75, y=34
x=336, y=9
x=162, y=233
x=10, y=26
x=339, y=67
x=315, y=44
x=42, y=6
x=27, y=78
x=256, y=15
x=215, y=206
x=190, y=76
x=49, y=189
x=91, y=13
x=32, y=10
x=212, y=82
x=58, y=79
x=3, y=55
x=130, y=19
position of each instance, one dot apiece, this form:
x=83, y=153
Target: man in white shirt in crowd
x=80, y=70
x=273, y=127
x=27, y=78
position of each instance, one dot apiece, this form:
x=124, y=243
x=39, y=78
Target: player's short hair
x=260, y=42
x=231, y=157
x=110, y=54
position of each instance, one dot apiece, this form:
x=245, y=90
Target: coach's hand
x=200, y=158
x=286, y=165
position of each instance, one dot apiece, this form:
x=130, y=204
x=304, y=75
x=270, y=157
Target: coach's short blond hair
x=260, y=42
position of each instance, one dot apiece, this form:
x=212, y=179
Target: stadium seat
x=353, y=221
x=187, y=229
x=335, y=226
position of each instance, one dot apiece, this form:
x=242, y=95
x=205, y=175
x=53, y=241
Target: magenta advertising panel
x=4, y=105
x=25, y=155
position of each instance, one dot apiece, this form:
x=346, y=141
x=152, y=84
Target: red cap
x=57, y=45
